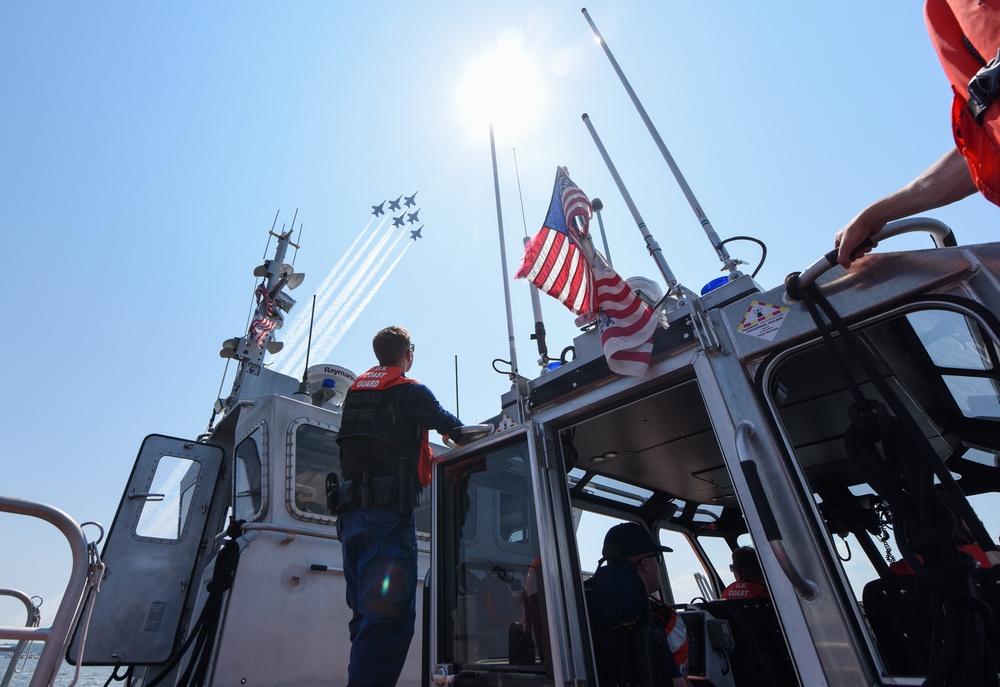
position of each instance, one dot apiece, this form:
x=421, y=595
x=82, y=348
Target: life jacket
x=745, y=589
x=374, y=432
x=974, y=550
x=966, y=35
x=673, y=626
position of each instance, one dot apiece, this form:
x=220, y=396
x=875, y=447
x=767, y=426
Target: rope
x=888, y=449
x=205, y=628
x=95, y=574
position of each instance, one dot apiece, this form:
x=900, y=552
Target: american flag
x=626, y=323
x=557, y=263
x=553, y=260
x=263, y=323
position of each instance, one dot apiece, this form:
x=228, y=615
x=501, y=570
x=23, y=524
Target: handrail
x=940, y=232
x=32, y=621
x=56, y=636
x=289, y=532
x=804, y=587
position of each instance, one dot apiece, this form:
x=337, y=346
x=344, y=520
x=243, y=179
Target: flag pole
x=598, y=205
x=720, y=249
x=673, y=288
x=503, y=265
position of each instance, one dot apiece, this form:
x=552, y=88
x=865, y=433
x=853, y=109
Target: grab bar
x=805, y=588
x=55, y=637
x=34, y=616
x=940, y=232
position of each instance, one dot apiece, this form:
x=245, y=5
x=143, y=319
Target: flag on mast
x=553, y=260
x=561, y=261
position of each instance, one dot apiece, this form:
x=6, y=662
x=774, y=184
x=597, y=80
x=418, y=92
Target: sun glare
x=503, y=87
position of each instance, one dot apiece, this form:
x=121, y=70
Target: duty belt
x=380, y=491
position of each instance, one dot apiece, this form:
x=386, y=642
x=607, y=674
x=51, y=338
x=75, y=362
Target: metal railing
x=56, y=636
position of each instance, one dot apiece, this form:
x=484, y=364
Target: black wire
x=763, y=250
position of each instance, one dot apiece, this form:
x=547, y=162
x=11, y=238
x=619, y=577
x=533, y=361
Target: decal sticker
x=505, y=423
x=763, y=320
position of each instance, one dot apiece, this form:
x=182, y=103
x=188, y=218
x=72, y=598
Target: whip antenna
x=305, y=372
x=727, y=262
x=536, y=306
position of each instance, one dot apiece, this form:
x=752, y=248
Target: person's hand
x=855, y=241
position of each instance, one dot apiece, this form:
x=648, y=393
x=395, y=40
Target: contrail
x=364, y=304
x=296, y=356
x=301, y=324
x=330, y=329
x=330, y=313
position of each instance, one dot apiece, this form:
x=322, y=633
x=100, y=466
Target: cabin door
x=150, y=554
x=498, y=608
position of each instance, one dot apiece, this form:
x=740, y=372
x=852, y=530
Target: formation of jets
x=404, y=217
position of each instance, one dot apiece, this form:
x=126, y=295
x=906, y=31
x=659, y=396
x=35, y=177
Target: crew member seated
x=621, y=603
x=749, y=582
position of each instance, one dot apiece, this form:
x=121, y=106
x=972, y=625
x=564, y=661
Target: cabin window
x=958, y=349
x=944, y=366
x=248, y=500
x=167, y=502
x=493, y=597
x=317, y=455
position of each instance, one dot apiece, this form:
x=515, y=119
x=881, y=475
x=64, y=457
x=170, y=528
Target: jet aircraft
x=394, y=204
x=411, y=217
x=398, y=221
x=410, y=200
x=415, y=234
x=377, y=209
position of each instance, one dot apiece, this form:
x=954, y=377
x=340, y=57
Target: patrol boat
x=809, y=420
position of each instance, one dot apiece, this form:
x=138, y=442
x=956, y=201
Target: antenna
x=271, y=233
x=297, y=244
x=728, y=262
x=536, y=306
x=519, y=196
x=457, y=411
x=305, y=371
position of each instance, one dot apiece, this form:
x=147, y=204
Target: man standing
x=385, y=463
x=966, y=35
x=621, y=600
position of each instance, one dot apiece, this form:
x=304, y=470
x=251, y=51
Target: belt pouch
x=384, y=491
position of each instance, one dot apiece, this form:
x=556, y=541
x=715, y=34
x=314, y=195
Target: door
x=150, y=554
x=500, y=574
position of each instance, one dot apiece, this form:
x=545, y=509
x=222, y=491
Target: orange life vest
x=966, y=35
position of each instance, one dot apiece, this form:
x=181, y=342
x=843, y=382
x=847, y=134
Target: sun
x=503, y=87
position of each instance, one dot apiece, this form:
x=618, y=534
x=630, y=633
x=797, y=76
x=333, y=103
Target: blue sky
x=146, y=148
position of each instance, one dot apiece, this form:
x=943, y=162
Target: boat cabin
x=744, y=432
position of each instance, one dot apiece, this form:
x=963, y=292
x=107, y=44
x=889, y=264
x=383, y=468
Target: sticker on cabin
x=505, y=423
x=763, y=320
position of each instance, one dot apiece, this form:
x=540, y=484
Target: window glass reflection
x=167, y=503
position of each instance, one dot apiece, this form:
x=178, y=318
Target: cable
x=763, y=250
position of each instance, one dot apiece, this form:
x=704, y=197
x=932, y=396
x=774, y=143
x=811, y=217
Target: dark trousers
x=380, y=565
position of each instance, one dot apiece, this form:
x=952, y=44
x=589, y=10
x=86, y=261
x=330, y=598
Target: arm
x=946, y=181
x=419, y=404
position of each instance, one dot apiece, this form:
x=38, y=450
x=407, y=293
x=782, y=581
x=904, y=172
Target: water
x=90, y=676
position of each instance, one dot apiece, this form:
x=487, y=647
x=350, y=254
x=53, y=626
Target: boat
x=222, y=564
